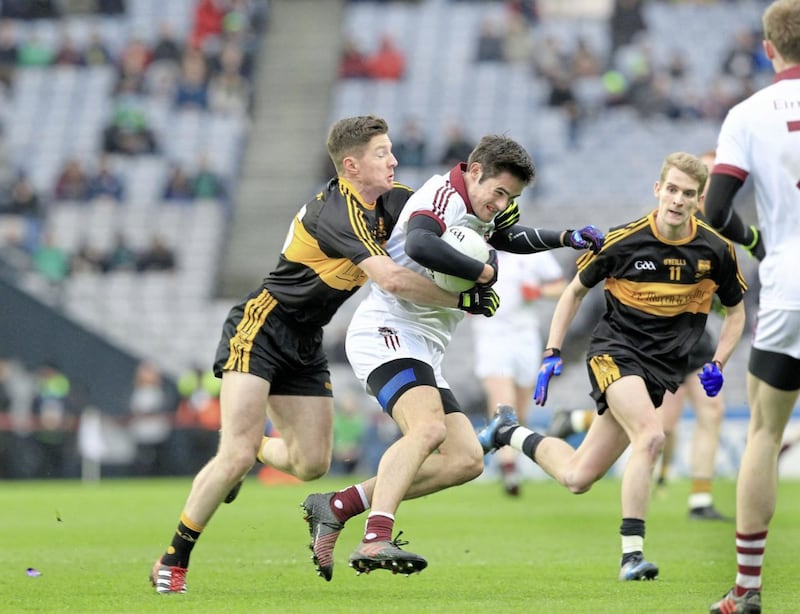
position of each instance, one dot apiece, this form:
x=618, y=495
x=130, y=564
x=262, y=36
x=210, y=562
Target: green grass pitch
x=546, y=551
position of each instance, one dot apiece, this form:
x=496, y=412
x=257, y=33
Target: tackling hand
x=588, y=237
x=711, y=378
x=492, y=262
x=479, y=300
x=551, y=365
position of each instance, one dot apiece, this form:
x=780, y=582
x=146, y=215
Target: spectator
x=32, y=51
x=129, y=132
x=8, y=51
x=23, y=199
x=150, y=421
x=54, y=422
x=585, y=62
x=157, y=257
x=96, y=52
x=457, y=146
x=349, y=431
x=134, y=60
x=121, y=257
x=191, y=91
x=197, y=418
x=110, y=7
x=490, y=42
x=410, y=147
x=167, y=47
x=72, y=182
x=388, y=62
x=14, y=257
x=68, y=53
x=626, y=22
x=229, y=90
x=352, y=61
x=86, y=259
x=105, y=184
x=208, y=19
x=50, y=260
x=179, y=184
x=206, y=183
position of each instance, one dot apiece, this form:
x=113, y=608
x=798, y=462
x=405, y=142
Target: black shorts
x=605, y=369
x=701, y=353
x=778, y=370
x=255, y=340
x=388, y=382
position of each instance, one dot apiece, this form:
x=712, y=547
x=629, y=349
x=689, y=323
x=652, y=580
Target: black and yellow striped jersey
x=318, y=269
x=658, y=292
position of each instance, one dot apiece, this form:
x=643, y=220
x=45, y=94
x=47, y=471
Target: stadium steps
x=297, y=67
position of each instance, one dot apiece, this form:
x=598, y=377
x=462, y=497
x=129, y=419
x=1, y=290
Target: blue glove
x=551, y=365
x=588, y=237
x=711, y=378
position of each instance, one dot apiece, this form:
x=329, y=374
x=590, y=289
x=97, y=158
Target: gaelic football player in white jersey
x=396, y=349
x=760, y=138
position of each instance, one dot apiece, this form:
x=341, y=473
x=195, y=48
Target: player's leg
x=670, y=410
x=305, y=425
x=420, y=416
x=709, y=412
x=501, y=390
x=243, y=400
x=629, y=403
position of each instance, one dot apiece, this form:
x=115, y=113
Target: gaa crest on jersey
x=703, y=268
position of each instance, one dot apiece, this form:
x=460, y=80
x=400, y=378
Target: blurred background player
x=708, y=411
x=508, y=347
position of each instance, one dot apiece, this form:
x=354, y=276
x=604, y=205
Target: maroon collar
x=457, y=181
x=790, y=73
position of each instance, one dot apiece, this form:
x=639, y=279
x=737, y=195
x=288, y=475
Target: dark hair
x=349, y=136
x=498, y=154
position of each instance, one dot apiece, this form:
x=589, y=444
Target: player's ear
x=656, y=188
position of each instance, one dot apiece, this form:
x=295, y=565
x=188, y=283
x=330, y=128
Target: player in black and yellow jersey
x=270, y=357
x=661, y=273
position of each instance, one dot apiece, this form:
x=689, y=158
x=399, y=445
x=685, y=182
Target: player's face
x=492, y=195
x=678, y=199
x=374, y=170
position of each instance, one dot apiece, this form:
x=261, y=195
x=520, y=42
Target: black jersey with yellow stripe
x=318, y=268
x=659, y=292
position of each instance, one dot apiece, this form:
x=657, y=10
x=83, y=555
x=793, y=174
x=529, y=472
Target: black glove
x=588, y=237
x=756, y=246
x=492, y=262
x=479, y=300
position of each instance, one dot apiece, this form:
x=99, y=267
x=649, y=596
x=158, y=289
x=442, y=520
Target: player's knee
x=578, y=483
x=311, y=466
x=431, y=435
x=654, y=443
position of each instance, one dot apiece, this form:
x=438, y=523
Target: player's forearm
x=730, y=333
x=565, y=311
x=419, y=289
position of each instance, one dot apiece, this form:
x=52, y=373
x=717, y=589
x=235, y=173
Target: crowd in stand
x=627, y=73
x=209, y=70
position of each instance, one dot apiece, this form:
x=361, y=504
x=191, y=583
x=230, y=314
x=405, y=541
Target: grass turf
x=546, y=551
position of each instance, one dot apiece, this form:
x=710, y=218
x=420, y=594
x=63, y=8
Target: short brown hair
x=497, y=154
x=349, y=136
x=781, y=22
x=686, y=163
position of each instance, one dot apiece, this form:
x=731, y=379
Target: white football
x=468, y=242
